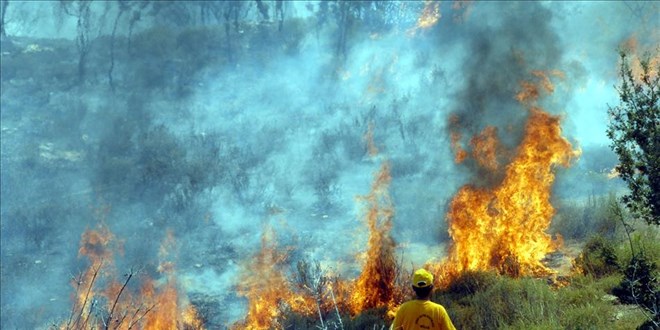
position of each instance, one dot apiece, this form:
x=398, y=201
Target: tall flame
x=503, y=228
x=171, y=310
x=375, y=287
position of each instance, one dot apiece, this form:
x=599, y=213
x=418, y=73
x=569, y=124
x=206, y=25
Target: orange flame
x=455, y=139
x=171, y=310
x=632, y=48
x=150, y=309
x=531, y=91
x=430, y=14
x=265, y=286
x=485, y=148
x=503, y=228
x=375, y=287
x=368, y=138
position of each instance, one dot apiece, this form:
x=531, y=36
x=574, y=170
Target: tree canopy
x=635, y=133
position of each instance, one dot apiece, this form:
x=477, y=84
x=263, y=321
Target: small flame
x=531, y=91
x=368, y=138
x=613, y=173
x=485, y=148
x=430, y=14
x=632, y=48
x=152, y=308
x=266, y=288
x=455, y=139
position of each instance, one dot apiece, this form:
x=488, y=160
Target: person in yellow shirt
x=422, y=313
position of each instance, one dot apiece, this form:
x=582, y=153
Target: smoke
x=274, y=135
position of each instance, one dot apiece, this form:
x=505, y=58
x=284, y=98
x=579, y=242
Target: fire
x=531, y=91
x=430, y=14
x=455, y=139
x=171, y=310
x=95, y=245
x=368, y=138
x=266, y=288
x=632, y=48
x=485, y=148
x=503, y=228
x=375, y=287
x=152, y=308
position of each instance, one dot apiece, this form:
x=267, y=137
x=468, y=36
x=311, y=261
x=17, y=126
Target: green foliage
x=640, y=285
x=635, y=133
x=369, y=319
x=516, y=301
x=598, y=258
x=480, y=300
x=469, y=283
x=646, y=238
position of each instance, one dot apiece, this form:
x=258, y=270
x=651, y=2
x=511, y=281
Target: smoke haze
x=270, y=128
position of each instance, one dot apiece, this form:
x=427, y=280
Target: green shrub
x=598, y=258
x=481, y=300
x=370, y=319
x=471, y=282
x=521, y=302
x=640, y=284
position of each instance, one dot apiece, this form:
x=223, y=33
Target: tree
x=634, y=129
x=80, y=9
x=3, y=12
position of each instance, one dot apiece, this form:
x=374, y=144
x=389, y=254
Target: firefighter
x=422, y=313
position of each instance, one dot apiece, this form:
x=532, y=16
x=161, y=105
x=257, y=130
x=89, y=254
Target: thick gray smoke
x=222, y=121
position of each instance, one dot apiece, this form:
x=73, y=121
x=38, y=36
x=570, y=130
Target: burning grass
x=101, y=301
x=270, y=294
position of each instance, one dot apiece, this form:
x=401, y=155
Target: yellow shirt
x=422, y=314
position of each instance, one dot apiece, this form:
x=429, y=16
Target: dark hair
x=424, y=292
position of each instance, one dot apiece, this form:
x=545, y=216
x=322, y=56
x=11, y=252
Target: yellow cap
x=422, y=278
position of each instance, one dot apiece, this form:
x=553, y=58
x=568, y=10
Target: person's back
x=422, y=313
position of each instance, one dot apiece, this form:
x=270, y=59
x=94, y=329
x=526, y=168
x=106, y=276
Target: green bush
x=521, y=303
x=640, y=284
x=469, y=283
x=481, y=300
x=598, y=258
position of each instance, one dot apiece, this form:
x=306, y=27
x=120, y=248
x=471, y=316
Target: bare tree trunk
x=3, y=32
x=83, y=13
x=122, y=9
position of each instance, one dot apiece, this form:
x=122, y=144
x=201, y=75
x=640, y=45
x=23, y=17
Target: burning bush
x=503, y=227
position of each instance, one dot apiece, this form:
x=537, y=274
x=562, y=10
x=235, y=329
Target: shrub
x=640, y=284
x=469, y=283
x=598, y=258
x=522, y=302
